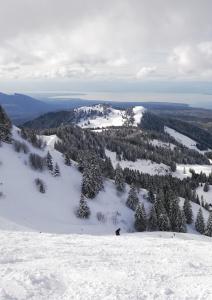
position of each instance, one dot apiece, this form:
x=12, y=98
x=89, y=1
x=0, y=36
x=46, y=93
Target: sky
x=103, y=45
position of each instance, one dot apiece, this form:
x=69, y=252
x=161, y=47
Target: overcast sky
x=60, y=42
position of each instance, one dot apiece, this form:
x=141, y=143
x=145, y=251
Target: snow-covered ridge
x=110, y=117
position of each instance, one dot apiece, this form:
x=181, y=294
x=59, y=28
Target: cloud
x=193, y=60
x=105, y=39
x=146, y=71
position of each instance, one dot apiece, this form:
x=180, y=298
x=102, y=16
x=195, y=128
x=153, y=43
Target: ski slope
x=133, y=266
x=113, y=118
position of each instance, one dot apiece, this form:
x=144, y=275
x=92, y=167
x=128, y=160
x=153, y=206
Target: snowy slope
x=183, y=139
x=23, y=207
x=113, y=118
x=142, y=165
x=132, y=266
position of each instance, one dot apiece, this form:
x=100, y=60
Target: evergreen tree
x=42, y=188
x=119, y=179
x=152, y=222
x=67, y=160
x=163, y=222
x=200, y=224
x=187, y=208
x=206, y=187
x=5, y=126
x=208, y=230
x=175, y=215
x=83, y=211
x=140, y=218
x=49, y=162
x=182, y=222
x=56, y=171
x=92, y=181
x=151, y=196
x=108, y=168
x=132, y=200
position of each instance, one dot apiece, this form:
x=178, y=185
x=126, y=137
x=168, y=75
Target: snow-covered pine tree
x=152, y=221
x=5, y=127
x=206, y=187
x=119, y=179
x=188, y=211
x=151, y=196
x=108, y=168
x=182, y=225
x=67, y=160
x=175, y=215
x=49, y=162
x=200, y=224
x=56, y=171
x=163, y=222
x=140, y=218
x=92, y=181
x=208, y=230
x=83, y=210
x=132, y=200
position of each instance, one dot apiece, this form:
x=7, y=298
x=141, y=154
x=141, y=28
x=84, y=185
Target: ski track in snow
x=137, y=266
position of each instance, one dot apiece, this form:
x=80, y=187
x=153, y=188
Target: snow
x=113, y=118
x=142, y=165
x=22, y=206
x=132, y=266
x=183, y=139
x=159, y=143
x=183, y=170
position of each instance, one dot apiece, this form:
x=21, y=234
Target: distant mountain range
x=22, y=108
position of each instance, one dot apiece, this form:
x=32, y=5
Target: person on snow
x=118, y=231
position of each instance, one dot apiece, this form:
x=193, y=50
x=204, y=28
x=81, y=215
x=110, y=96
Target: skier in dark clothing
x=118, y=231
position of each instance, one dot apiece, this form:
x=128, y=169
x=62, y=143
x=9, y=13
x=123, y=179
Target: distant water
x=195, y=100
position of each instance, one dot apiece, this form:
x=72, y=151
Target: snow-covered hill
x=133, y=266
x=22, y=206
x=108, y=116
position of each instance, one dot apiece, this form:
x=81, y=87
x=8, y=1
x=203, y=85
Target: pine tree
x=49, y=162
x=200, y=224
x=188, y=211
x=152, y=222
x=119, y=179
x=206, y=187
x=140, y=218
x=92, y=181
x=83, y=211
x=132, y=200
x=175, y=215
x=67, y=160
x=151, y=196
x=42, y=188
x=182, y=225
x=208, y=230
x=163, y=222
x=56, y=171
x=108, y=168
x=5, y=126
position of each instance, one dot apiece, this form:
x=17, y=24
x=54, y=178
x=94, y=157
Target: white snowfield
x=114, y=118
x=142, y=165
x=183, y=139
x=22, y=206
x=38, y=266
